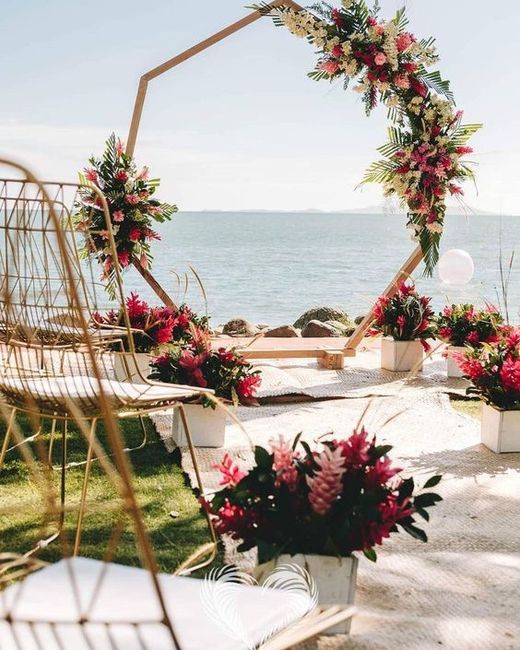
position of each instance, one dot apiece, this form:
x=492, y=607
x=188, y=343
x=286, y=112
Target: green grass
x=160, y=486
x=472, y=408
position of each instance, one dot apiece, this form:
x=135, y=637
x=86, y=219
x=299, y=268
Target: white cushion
x=84, y=388
x=127, y=596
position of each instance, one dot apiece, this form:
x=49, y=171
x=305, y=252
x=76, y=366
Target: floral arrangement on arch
x=423, y=160
x=133, y=210
x=462, y=324
x=406, y=316
x=195, y=363
x=154, y=326
x=494, y=370
x=346, y=497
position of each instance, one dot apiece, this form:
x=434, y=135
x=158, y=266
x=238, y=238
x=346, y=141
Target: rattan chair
x=50, y=347
x=83, y=603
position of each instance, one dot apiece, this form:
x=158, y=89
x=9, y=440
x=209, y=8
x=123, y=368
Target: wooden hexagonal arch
x=326, y=351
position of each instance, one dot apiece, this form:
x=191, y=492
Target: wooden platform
x=330, y=351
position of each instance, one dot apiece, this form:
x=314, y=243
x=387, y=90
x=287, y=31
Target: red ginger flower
x=136, y=307
x=471, y=368
x=380, y=473
x=326, y=484
x=230, y=471
x=473, y=338
x=247, y=386
x=510, y=374
x=355, y=450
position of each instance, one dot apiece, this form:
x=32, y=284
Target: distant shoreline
x=348, y=213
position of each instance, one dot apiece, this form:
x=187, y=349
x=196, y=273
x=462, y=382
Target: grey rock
x=341, y=328
x=284, y=331
x=316, y=328
x=358, y=319
x=322, y=314
x=239, y=327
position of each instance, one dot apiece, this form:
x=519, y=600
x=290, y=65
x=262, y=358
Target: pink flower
x=326, y=484
x=401, y=321
x=445, y=333
x=462, y=151
x=132, y=199
x=134, y=234
x=355, y=450
x=120, y=147
x=330, y=67
x=471, y=368
x=283, y=463
x=143, y=174
x=118, y=216
x=380, y=58
x=91, y=175
x=380, y=473
x=337, y=51
x=402, y=81
x=403, y=41
x=121, y=176
x=123, y=258
x=473, y=338
x=510, y=374
x=455, y=189
x=230, y=471
x=136, y=308
x=247, y=386
x=419, y=87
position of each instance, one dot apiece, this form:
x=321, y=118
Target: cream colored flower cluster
x=303, y=24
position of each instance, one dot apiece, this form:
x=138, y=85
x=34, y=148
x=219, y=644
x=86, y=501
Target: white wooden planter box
x=401, y=356
x=207, y=426
x=453, y=368
x=127, y=366
x=334, y=577
x=500, y=430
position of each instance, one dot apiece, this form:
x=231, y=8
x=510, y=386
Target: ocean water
x=271, y=267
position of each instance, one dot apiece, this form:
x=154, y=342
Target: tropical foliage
x=464, y=325
x=153, y=326
x=422, y=162
x=494, y=370
x=195, y=363
x=343, y=498
x=405, y=316
x=133, y=210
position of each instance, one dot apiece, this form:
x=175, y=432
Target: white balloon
x=456, y=267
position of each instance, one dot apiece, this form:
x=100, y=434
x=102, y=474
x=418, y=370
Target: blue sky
x=240, y=126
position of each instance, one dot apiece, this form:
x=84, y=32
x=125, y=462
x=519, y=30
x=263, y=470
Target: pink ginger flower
x=326, y=484
x=132, y=199
x=120, y=147
x=283, y=463
x=380, y=58
x=473, y=338
x=118, y=216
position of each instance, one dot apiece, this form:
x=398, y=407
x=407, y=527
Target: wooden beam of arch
x=328, y=358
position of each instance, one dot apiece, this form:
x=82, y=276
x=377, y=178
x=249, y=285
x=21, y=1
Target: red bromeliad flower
x=405, y=316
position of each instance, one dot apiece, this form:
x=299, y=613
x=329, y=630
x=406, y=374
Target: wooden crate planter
x=401, y=356
x=453, y=369
x=335, y=578
x=207, y=426
x=500, y=430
